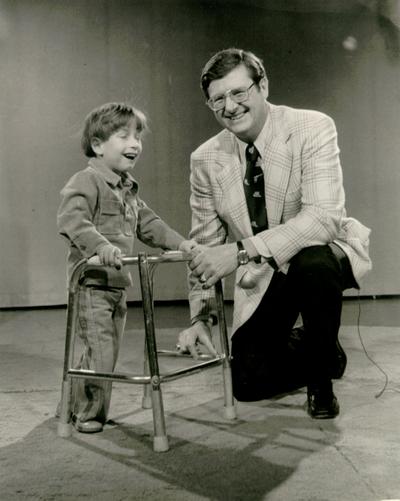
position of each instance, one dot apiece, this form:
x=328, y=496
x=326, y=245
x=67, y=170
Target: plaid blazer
x=304, y=196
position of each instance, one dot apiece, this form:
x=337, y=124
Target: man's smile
x=236, y=117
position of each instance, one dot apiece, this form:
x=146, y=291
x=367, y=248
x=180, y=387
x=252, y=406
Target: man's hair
x=103, y=121
x=225, y=61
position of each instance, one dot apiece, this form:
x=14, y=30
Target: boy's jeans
x=101, y=321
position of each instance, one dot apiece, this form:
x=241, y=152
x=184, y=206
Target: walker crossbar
x=171, y=353
x=151, y=379
x=109, y=376
x=139, y=379
x=191, y=370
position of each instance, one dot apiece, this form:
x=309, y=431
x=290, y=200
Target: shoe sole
x=88, y=430
x=323, y=416
x=82, y=429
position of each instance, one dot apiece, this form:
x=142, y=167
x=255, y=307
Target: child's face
x=122, y=149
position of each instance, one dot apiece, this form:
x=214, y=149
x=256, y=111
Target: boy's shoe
x=90, y=426
x=322, y=402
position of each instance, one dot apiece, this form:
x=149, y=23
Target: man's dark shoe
x=322, y=402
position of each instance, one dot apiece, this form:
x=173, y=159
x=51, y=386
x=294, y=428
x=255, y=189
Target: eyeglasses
x=237, y=95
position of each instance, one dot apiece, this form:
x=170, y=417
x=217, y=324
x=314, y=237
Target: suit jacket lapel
x=231, y=181
x=277, y=160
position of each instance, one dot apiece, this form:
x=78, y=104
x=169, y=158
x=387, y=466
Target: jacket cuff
x=88, y=244
x=211, y=319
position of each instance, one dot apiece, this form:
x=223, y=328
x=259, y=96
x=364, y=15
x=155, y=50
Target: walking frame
x=151, y=379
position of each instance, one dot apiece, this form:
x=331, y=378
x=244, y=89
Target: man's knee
x=314, y=261
x=316, y=268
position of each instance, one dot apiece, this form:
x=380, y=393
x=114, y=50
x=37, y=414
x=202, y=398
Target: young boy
x=100, y=214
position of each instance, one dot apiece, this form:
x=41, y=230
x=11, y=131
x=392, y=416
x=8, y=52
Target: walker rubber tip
x=230, y=412
x=64, y=430
x=160, y=444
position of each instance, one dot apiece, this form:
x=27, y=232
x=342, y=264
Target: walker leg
x=229, y=403
x=229, y=406
x=146, y=399
x=160, y=441
x=64, y=426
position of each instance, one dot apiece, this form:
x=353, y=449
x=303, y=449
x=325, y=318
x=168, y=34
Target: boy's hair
x=225, y=61
x=103, y=121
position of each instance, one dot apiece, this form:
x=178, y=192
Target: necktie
x=254, y=190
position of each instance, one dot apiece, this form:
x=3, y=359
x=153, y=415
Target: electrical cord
x=380, y=393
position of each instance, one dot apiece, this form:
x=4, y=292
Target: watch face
x=243, y=257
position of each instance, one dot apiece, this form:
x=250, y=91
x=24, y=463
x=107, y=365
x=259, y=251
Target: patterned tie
x=254, y=190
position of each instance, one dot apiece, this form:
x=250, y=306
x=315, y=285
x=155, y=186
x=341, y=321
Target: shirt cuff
x=255, y=247
x=258, y=251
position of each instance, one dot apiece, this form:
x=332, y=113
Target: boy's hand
x=187, y=246
x=110, y=256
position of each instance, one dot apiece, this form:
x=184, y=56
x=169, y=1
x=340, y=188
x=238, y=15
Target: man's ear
x=97, y=146
x=263, y=84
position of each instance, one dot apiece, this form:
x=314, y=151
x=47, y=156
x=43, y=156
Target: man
x=272, y=179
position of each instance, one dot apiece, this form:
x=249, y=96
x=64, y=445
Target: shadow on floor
x=225, y=460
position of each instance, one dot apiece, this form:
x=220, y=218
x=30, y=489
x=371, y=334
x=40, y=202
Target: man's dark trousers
x=267, y=359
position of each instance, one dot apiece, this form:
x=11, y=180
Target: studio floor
x=273, y=451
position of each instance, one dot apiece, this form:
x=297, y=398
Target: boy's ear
x=97, y=146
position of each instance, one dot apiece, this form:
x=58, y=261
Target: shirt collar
x=109, y=175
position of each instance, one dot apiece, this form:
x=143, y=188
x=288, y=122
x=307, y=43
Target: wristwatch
x=242, y=256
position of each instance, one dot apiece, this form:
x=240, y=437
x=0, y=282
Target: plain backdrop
x=60, y=58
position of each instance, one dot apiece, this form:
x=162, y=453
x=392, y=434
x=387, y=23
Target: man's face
x=245, y=119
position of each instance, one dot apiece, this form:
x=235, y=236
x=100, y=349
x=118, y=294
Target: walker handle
x=167, y=256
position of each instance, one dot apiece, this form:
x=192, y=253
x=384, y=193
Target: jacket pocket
x=110, y=218
x=130, y=220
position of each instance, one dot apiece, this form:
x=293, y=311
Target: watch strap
x=240, y=245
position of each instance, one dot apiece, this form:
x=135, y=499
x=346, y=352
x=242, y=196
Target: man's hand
x=110, y=255
x=187, y=246
x=211, y=264
x=198, y=333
